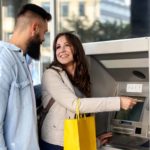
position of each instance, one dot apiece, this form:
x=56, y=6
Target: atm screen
x=133, y=114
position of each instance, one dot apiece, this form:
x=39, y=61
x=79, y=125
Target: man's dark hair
x=35, y=9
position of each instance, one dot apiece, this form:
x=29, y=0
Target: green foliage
x=99, y=31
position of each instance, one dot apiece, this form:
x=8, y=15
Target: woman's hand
x=127, y=102
x=104, y=138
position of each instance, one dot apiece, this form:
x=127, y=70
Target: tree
x=99, y=31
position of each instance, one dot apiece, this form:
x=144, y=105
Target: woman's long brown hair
x=81, y=77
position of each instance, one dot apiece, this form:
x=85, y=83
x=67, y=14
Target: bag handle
x=77, y=108
x=49, y=105
x=78, y=111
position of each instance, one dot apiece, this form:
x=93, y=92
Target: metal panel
x=117, y=46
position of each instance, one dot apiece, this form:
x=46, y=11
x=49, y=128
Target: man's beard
x=33, y=49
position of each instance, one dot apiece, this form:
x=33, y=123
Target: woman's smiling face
x=64, y=51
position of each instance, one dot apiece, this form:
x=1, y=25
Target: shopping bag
x=80, y=133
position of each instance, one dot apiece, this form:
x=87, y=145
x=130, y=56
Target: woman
x=67, y=79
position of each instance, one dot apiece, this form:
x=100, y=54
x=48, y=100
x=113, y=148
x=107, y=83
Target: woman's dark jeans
x=46, y=146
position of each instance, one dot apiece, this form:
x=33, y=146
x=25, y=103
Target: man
x=18, y=125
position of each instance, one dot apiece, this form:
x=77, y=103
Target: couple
x=18, y=125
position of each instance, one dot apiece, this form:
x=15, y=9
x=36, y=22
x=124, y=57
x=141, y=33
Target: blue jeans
x=46, y=146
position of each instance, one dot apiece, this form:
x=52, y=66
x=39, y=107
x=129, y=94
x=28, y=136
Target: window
x=81, y=9
x=46, y=6
x=64, y=9
x=10, y=11
x=46, y=43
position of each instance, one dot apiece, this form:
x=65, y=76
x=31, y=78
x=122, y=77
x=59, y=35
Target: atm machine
x=121, y=68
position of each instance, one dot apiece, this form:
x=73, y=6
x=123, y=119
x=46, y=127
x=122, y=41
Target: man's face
x=33, y=48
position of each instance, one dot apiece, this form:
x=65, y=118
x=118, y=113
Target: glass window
x=105, y=19
x=7, y=18
x=46, y=6
x=112, y=11
x=64, y=9
x=47, y=40
x=92, y=20
x=81, y=9
x=10, y=11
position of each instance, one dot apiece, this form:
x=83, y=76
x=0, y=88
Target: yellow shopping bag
x=79, y=133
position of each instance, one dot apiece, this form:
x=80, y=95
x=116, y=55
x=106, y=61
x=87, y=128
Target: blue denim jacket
x=18, y=125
